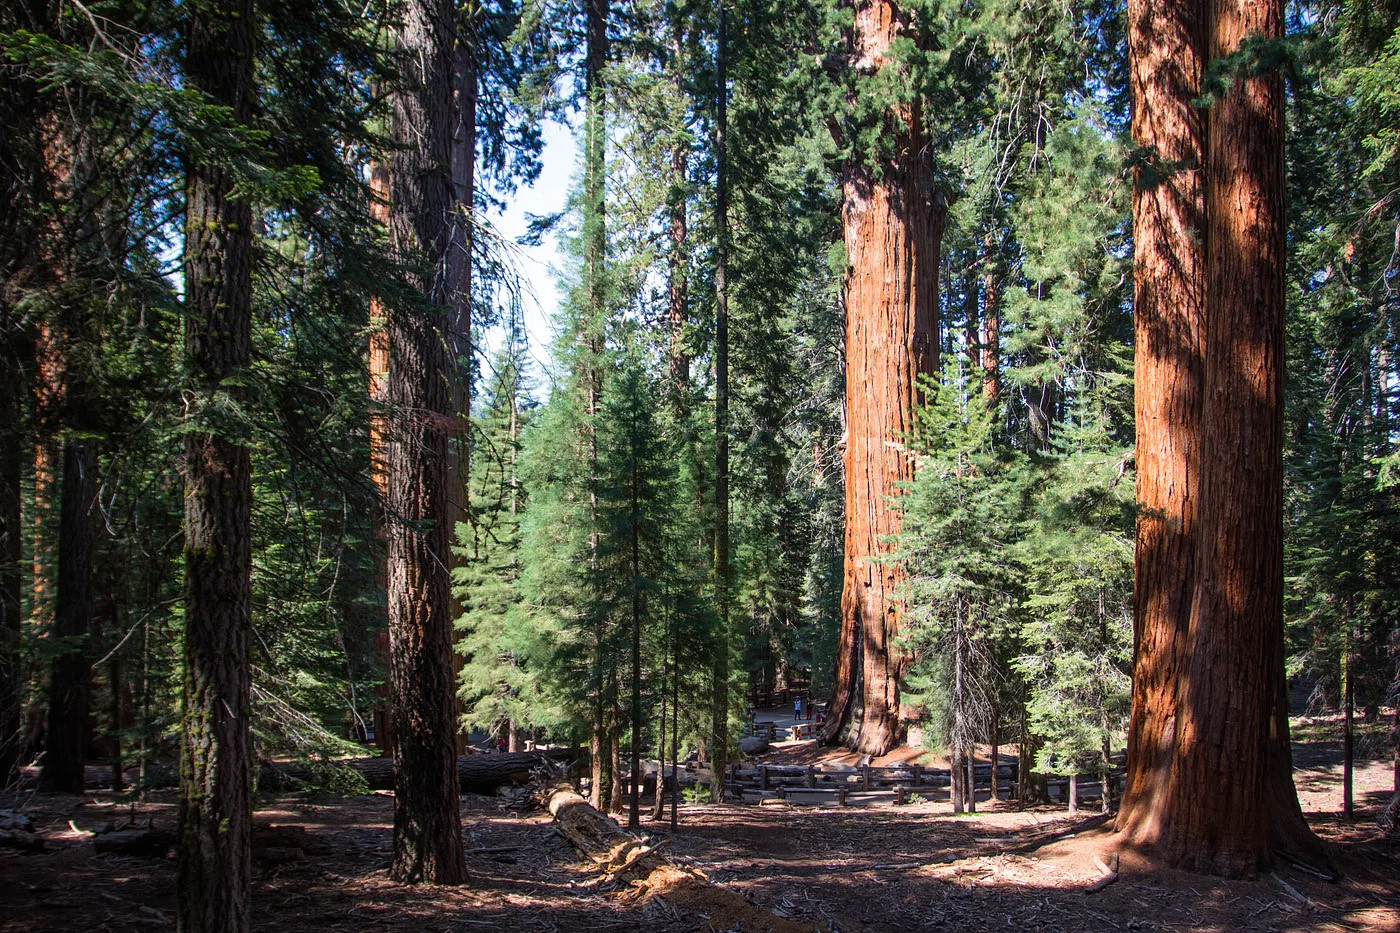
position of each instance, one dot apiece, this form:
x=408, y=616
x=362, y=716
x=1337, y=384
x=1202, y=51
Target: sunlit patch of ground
x=873, y=868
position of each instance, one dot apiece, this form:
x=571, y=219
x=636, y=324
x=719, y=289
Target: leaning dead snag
x=642, y=872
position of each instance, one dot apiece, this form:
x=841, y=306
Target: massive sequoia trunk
x=1210, y=774
x=893, y=224
x=427, y=825
x=216, y=781
x=1166, y=44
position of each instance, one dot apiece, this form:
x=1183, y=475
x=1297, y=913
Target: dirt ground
x=851, y=869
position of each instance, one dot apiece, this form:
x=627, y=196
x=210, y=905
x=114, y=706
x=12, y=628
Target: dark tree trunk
x=48, y=456
x=991, y=323
x=116, y=678
x=592, y=336
x=719, y=712
x=427, y=824
x=11, y=624
x=1348, y=725
x=379, y=456
x=65, y=749
x=634, y=814
x=215, y=823
x=1166, y=43
x=893, y=225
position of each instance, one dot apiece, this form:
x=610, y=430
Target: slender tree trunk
x=379, y=449
x=676, y=731
x=957, y=774
x=464, y=95
x=11, y=535
x=991, y=323
x=677, y=280
x=634, y=817
x=971, y=325
x=116, y=675
x=615, y=790
x=892, y=224
x=213, y=862
x=427, y=825
x=658, y=807
x=971, y=778
x=1348, y=723
x=65, y=750
x=1072, y=793
x=719, y=728
x=1166, y=45
x=592, y=335
x=996, y=751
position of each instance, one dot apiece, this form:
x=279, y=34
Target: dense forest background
x=647, y=516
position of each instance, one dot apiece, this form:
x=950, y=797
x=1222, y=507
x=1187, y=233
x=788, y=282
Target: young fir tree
x=963, y=583
x=499, y=682
x=1076, y=629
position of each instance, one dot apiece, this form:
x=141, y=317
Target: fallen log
x=142, y=841
x=476, y=774
x=643, y=872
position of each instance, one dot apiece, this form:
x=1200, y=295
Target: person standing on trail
x=797, y=708
x=810, y=704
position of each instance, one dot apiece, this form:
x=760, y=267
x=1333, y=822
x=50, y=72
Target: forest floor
x=849, y=869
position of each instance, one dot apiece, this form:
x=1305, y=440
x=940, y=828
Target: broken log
x=145, y=842
x=643, y=872
x=476, y=774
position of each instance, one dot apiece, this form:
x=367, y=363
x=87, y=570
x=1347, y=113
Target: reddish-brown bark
x=892, y=223
x=1210, y=772
x=991, y=323
x=427, y=826
x=1166, y=42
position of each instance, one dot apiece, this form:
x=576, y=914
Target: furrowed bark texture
x=893, y=225
x=11, y=625
x=1210, y=771
x=215, y=822
x=1166, y=41
x=66, y=745
x=379, y=452
x=1234, y=799
x=427, y=824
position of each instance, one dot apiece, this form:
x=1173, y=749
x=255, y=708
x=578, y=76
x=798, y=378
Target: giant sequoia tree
x=1210, y=778
x=892, y=219
x=427, y=831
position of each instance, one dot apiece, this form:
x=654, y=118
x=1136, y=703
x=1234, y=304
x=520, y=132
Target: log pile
x=642, y=873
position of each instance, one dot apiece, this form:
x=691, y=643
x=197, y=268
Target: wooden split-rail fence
x=854, y=785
